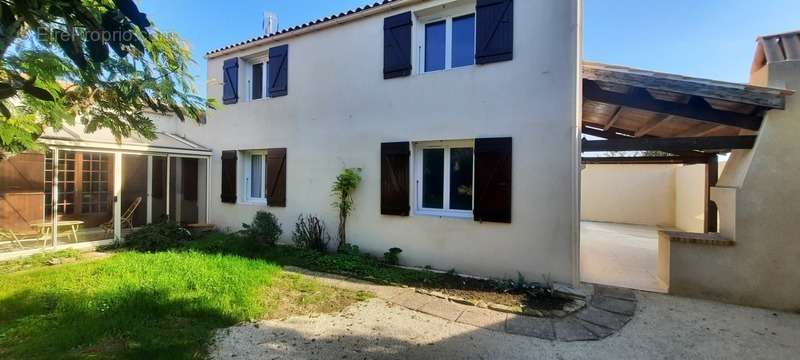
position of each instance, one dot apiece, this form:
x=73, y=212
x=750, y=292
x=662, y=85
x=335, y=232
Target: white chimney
x=270, y=23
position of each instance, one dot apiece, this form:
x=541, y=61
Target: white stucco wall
x=761, y=268
x=640, y=194
x=690, y=196
x=339, y=109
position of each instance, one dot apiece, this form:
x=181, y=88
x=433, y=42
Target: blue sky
x=705, y=38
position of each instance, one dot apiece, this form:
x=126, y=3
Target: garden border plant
x=342, y=191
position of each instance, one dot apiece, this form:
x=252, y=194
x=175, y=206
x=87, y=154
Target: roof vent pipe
x=270, y=23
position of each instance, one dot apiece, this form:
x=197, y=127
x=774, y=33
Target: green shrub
x=342, y=191
x=158, y=236
x=392, y=257
x=349, y=249
x=310, y=233
x=264, y=231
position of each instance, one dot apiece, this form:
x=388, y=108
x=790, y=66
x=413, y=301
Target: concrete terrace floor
x=620, y=255
x=664, y=327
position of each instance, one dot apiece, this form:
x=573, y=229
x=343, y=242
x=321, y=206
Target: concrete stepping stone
x=614, y=292
x=541, y=328
x=572, y=329
x=599, y=331
x=411, y=300
x=483, y=318
x=443, y=309
x=603, y=318
x=623, y=307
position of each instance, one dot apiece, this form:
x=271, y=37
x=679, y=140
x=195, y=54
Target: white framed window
x=447, y=39
x=444, y=177
x=255, y=176
x=256, y=75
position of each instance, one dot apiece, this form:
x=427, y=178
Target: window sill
x=450, y=214
x=460, y=68
x=252, y=203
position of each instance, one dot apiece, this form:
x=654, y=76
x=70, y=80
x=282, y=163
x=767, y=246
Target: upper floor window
x=257, y=79
x=448, y=42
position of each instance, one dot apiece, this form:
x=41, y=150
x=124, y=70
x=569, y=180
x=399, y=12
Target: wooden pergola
x=692, y=119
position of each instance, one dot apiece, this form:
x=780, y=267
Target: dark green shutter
x=276, y=177
x=278, y=67
x=230, y=81
x=395, y=158
x=228, y=181
x=494, y=31
x=397, y=46
x=493, y=180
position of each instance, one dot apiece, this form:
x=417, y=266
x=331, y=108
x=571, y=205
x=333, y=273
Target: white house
x=450, y=108
x=466, y=118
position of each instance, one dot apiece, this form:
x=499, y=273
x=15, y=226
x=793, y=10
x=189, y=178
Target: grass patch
x=137, y=305
x=39, y=260
x=372, y=269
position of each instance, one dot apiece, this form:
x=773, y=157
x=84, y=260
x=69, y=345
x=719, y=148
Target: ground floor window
x=255, y=171
x=444, y=172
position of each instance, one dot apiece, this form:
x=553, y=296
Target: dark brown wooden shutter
x=494, y=31
x=394, y=178
x=493, y=180
x=276, y=177
x=278, y=70
x=229, y=176
x=230, y=81
x=397, y=46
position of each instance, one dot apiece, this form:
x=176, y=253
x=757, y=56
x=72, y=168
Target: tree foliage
x=99, y=62
x=343, y=188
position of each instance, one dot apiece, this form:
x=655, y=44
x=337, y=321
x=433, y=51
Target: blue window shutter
x=494, y=22
x=397, y=46
x=278, y=67
x=230, y=77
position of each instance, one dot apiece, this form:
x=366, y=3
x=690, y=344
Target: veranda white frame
x=125, y=149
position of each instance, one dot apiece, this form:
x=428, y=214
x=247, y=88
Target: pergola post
x=712, y=175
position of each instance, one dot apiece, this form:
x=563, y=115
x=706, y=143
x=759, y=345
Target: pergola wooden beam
x=670, y=144
x=617, y=114
x=644, y=130
x=738, y=93
x=614, y=133
x=700, y=130
x=697, y=108
x=645, y=160
x=712, y=176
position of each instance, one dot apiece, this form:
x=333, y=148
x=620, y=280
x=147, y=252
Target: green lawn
x=140, y=305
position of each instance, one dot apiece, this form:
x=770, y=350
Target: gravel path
x=665, y=327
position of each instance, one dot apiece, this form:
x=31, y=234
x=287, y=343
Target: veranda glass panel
x=22, y=203
x=84, y=205
x=461, y=179
x=433, y=178
x=184, y=192
x=134, y=192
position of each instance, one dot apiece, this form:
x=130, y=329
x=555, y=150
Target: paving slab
x=615, y=292
x=411, y=300
x=623, y=307
x=443, y=309
x=572, y=329
x=599, y=331
x=603, y=318
x=483, y=318
x=541, y=328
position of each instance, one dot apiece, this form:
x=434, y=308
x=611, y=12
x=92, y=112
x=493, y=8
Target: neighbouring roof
x=641, y=103
x=103, y=139
x=309, y=24
x=776, y=48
